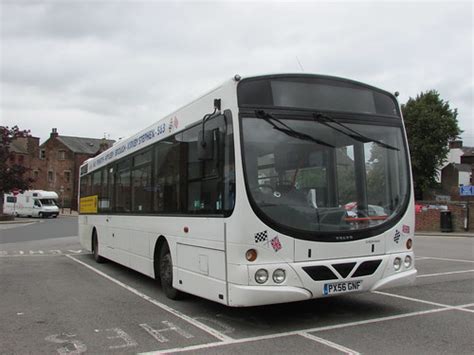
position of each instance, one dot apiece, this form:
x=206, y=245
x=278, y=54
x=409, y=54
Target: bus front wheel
x=95, y=248
x=166, y=274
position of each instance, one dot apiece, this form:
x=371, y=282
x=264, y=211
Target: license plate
x=342, y=287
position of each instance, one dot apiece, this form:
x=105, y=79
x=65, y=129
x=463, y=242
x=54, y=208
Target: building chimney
x=54, y=133
x=104, y=145
x=455, y=144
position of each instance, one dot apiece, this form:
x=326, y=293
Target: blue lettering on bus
x=143, y=138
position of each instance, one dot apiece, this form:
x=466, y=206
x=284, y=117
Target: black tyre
x=95, y=248
x=166, y=274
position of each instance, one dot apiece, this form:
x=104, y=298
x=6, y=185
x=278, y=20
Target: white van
x=33, y=203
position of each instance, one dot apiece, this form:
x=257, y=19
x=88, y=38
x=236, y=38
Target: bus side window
x=141, y=182
x=166, y=173
x=204, y=188
x=123, y=201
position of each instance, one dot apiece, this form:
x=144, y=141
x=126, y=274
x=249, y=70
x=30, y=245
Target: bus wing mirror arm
x=205, y=149
x=205, y=146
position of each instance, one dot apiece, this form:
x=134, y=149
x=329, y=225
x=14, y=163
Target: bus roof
x=169, y=125
x=186, y=115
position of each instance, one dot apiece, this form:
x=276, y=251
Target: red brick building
x=54, y=165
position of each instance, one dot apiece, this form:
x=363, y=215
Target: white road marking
x=420, y=301
x=79, y=346
x=447, y=259
x=445, y=273
x=330, y=344
x=157, y=333
x=441, y=236
x=120, y=334
x=299, y=332
x=51, y=252
x=36, y=252
x=225, y=327
x=178, y=314
x=466, y=310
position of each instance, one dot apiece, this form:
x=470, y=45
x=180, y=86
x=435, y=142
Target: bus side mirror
x=205, y=148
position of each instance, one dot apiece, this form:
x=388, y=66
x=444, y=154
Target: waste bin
x=446, y=222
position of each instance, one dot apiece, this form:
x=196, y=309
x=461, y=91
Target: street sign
x=466, y=190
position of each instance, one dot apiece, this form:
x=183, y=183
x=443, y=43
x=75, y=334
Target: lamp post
x=61, y=190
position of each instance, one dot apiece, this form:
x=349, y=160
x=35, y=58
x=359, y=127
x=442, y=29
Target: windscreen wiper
x=287, y=129
x=320, y=118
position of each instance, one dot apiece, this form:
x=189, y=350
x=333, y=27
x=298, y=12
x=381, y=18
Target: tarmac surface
x=55, y=299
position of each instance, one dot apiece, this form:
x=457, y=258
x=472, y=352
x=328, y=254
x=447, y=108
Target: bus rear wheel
x=95, y=248
x=166, y=274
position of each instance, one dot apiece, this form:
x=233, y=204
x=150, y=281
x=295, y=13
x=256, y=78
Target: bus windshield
x=333, y=182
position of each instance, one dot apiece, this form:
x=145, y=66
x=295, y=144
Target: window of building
x=43, y=154
x=36, y=174
x=61, y=155
x=67, y=176
x=50, y=176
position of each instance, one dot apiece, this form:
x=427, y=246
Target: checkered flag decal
x=396, y=238
x=261, y=237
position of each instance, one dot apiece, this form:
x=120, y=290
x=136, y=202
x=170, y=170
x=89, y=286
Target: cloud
x=102, y=61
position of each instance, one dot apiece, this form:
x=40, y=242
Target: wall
x=428, y=220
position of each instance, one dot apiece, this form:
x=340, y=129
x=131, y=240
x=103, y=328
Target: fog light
x=261, y=276
x=397, y=263
x=407, y=262
x=279, y=276
x=251, y=255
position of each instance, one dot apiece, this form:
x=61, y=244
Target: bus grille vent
x=320, y=273
x=367, y=268
x=344, y=269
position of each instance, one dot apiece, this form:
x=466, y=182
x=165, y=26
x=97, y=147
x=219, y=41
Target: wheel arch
x=94, y=232
x=160, y=242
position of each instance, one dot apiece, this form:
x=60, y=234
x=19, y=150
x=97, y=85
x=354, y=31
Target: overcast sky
x=95, y=68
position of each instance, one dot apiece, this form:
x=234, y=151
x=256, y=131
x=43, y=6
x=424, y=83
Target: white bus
x=268, y=189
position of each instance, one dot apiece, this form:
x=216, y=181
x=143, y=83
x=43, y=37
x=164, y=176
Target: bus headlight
x=397, y=263
x=279, y=276
x=408, y=261
x=261, y=276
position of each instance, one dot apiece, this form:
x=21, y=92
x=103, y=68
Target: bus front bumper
x=248, y=296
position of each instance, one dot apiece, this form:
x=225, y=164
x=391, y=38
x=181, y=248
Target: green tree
x=11, y=175
x=431, y=124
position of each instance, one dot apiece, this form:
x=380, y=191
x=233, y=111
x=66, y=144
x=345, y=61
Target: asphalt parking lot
x=63, y=303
